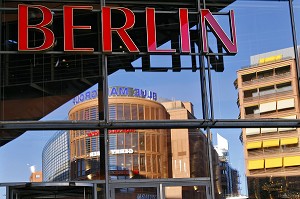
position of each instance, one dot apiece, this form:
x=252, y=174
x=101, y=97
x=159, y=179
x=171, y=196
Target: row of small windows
x=138, y=141
x=266, y=73
x=287, y=86
x=141, y=163
x=122, y=112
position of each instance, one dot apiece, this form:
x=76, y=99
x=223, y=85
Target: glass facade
x=56, y=158
x=251, y=96
x=133, y=153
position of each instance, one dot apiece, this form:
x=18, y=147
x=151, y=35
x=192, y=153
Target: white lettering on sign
x=94, y=154
x=120, y=151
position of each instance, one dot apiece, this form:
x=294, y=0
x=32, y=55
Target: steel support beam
x=159, y=124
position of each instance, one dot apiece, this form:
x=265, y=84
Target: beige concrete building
x=269, y=89
x=189, y=154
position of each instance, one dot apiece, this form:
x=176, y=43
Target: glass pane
x=182, y=153
x=136, y=192
x=260, y=81
x=192, y=192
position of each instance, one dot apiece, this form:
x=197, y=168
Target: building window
x=141, y=112
x=142, y=162
x=135, y=142
x=282, y=70
x=134, y=111
x=147, y=113
x=128, y=141
x=142, y=141
x=119, y=111
x=148, y=142
x=127, y=112
x=120, y=140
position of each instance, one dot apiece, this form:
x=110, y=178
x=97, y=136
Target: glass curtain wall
x=139, y=117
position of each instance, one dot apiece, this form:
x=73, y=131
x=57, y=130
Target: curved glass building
x=131, y=151
x=56, y=158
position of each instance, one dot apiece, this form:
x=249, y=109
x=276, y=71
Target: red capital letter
x=107, y=29
x=184, y=30
x=230, y=45
x=23, y=28
x=151, y=32
x=69, y=27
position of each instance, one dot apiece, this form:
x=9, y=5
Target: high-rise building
x=269, y=89
x=56, y=158
x=229, y=176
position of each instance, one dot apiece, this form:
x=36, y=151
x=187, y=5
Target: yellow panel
x=278, y=57
x=255, y=164
x=273, y=162
x=286, y=141
x=271, y=143
x=291, y=161
x=254, y=145
x=261, y=60
x=269, y=59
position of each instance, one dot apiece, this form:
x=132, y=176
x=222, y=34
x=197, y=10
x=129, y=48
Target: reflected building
x=269, y=89
x=36, y=176
x=229, y=176
x=56, y=158
x=138, y=153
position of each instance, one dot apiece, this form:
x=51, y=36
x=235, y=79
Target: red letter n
x=229, y=45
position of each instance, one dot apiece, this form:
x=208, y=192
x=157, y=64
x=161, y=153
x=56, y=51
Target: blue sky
x=261, y=27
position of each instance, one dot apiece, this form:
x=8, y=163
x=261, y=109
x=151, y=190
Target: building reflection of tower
x=138, y=152
x=229, y=176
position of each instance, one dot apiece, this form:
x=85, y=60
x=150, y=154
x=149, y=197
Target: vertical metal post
x=161, y=191
x=1, y=67
x=211, y=100
x=205, y=100
x=83, y=192
x=207, y=189
x=106, y=116
x=294, y=40
x=95, y=191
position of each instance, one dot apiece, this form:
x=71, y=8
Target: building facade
x=132, y=151
x=269, y=89
x=229, y=176
x=56, y=158
x=36, y=176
